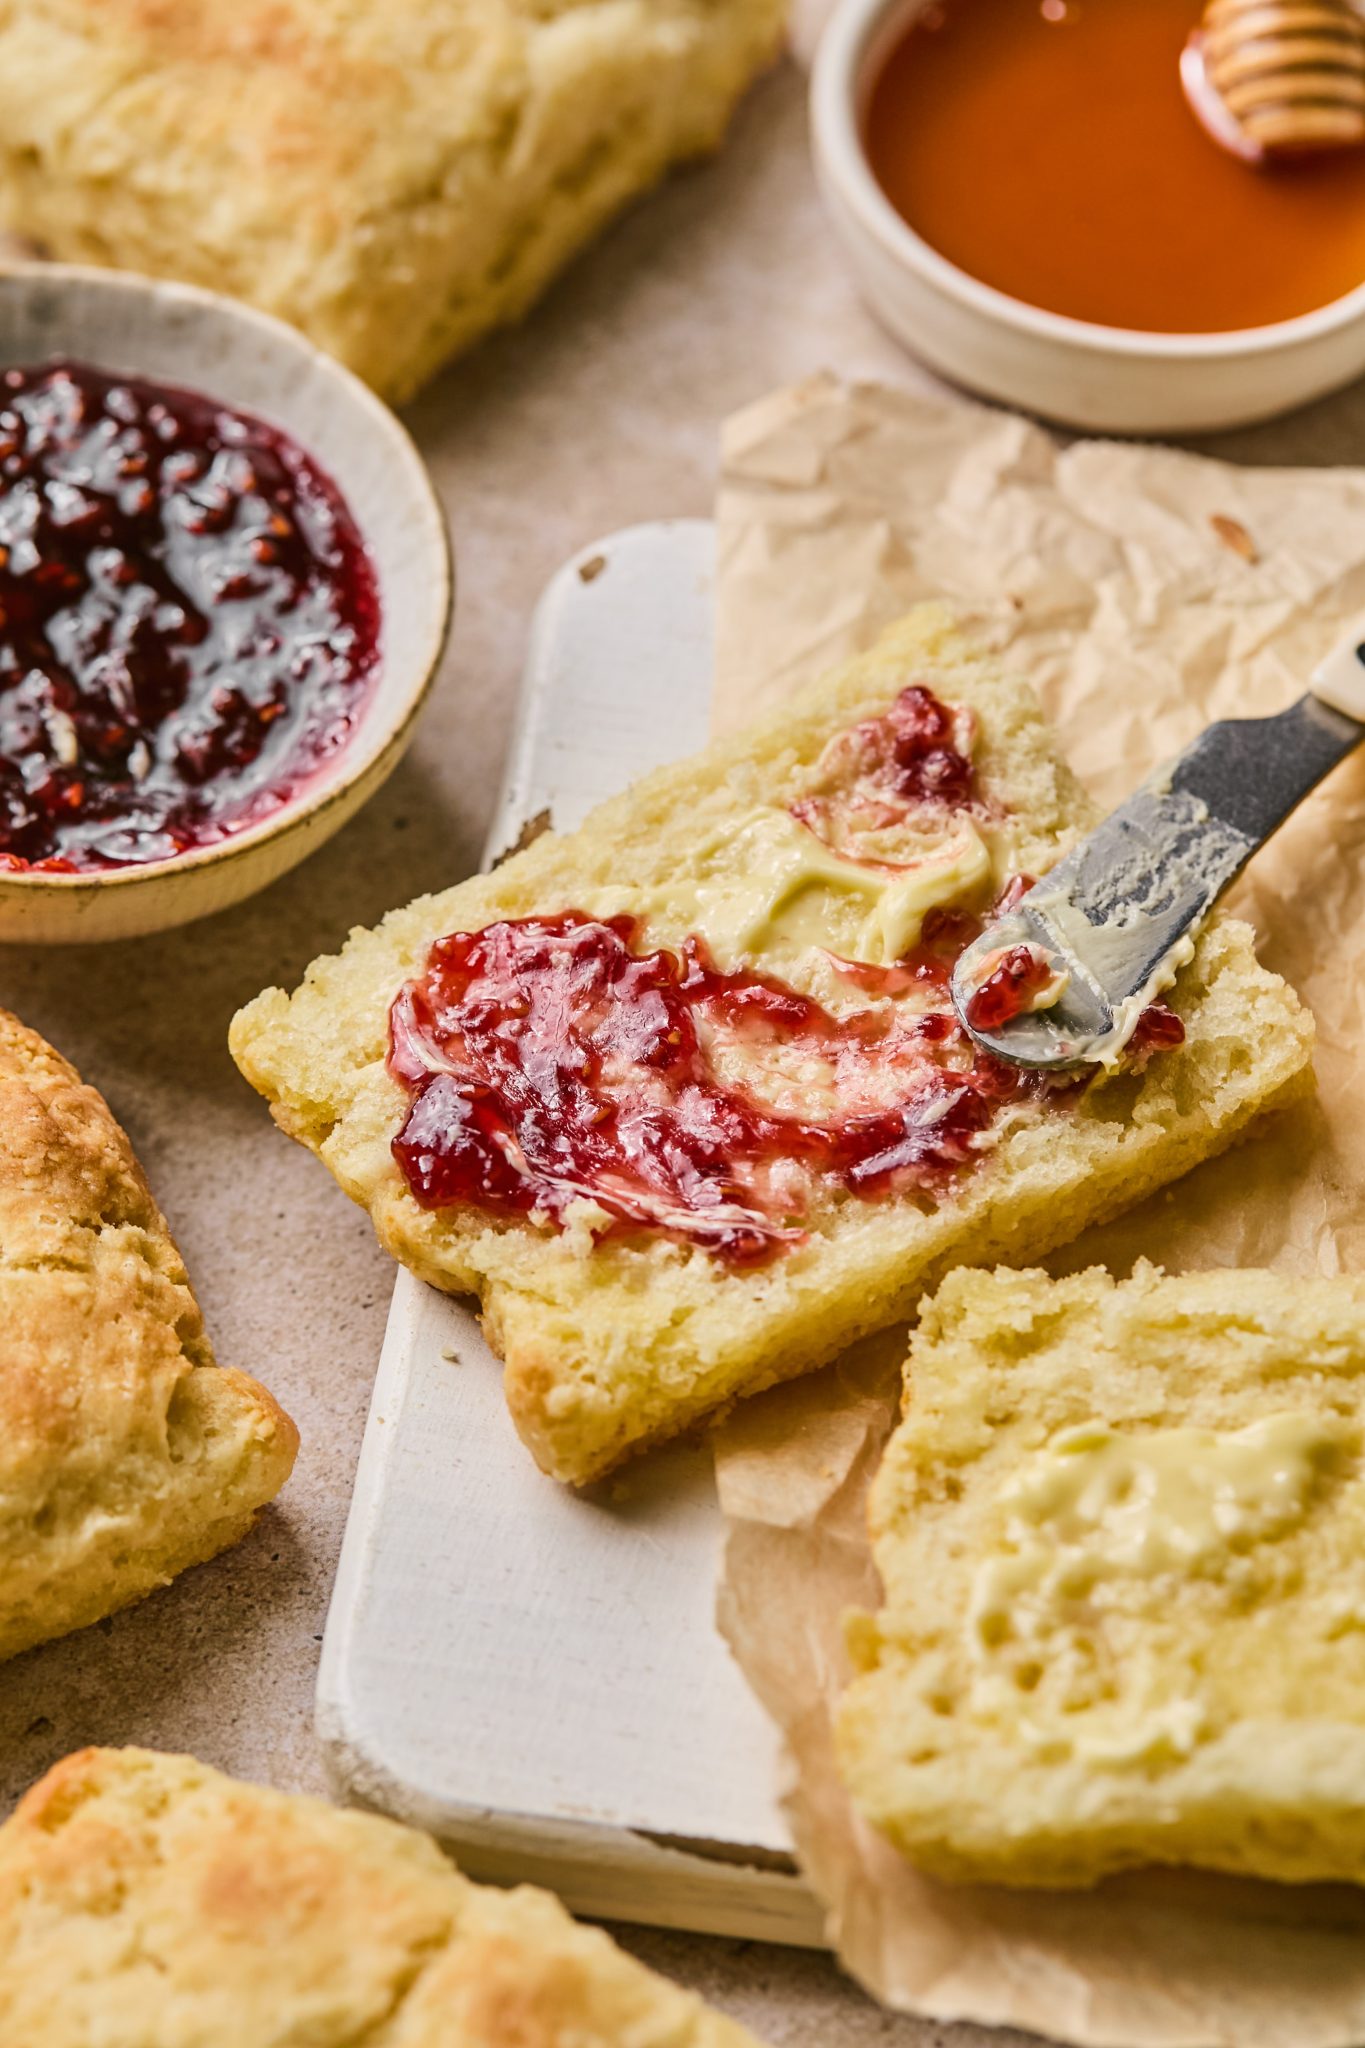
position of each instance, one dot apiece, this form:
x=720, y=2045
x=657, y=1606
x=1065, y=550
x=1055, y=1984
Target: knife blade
x=1116, y=918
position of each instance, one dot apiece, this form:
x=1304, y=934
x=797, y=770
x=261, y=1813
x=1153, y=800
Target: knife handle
x=1340, y=680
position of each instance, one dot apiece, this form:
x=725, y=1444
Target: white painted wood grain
x=535, y=1675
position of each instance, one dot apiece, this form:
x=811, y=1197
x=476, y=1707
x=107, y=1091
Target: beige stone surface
x=602, y=410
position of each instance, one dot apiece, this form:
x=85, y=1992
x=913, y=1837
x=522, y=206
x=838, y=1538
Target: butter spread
x=1178, y=857
x=773, y=882
x=1100, y=1505
x=1108, y=1050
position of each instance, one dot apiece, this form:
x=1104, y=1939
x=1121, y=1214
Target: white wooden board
x=536, y=1676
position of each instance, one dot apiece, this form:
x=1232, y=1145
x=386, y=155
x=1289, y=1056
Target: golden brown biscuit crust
x=146, y=1901
x=125, y=1452
x=395, y=177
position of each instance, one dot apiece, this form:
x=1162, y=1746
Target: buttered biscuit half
x=1121, y=1532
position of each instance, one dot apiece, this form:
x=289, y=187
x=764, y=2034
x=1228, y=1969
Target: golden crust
x=623, y=1344
x=395, y=176
x=149, y=1902
x=126, y=1454
x=1204, y=1704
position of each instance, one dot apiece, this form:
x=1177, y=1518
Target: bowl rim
x=839, y=78
x=356, y=762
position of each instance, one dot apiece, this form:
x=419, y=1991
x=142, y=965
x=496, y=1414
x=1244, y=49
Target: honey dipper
x=1272, y=78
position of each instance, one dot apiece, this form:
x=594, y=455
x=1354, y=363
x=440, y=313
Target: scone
x=126, y=1454
x=682, y=1097
x=395, y=177
x=149, y=1902
x=1121, y=1531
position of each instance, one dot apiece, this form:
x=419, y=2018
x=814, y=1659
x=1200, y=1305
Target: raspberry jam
x=917, y=749
x=878, y=774
x=549, y=1063
x=1023, y=972
x=189, y=620
x=1158, y=1029
x=555, y=1069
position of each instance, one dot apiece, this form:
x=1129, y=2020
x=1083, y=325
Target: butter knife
x=1108, y=928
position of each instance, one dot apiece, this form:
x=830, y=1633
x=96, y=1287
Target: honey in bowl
x=1046, y=148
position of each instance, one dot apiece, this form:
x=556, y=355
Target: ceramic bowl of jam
x=225, y=588
x=1031, y=207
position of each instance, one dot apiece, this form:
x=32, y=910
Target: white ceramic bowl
x=178, y=335
x=1115, y=379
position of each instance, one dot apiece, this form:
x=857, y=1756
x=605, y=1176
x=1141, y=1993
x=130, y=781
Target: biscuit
x=147, y=1901
x=1120, y=1532
x=614, y=1341
x=395, y=177
x=126, y=1454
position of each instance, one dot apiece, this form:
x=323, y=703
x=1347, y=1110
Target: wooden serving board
x=533, y=1675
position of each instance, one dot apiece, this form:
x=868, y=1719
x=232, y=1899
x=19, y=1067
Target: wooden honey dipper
x=1272, y=78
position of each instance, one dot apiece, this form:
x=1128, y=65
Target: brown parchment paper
x=1143, y=592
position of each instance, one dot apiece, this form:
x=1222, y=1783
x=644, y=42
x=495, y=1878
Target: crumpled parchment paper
x=1143, y=592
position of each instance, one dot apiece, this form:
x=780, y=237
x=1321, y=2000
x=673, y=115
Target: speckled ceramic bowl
x=193, y=338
